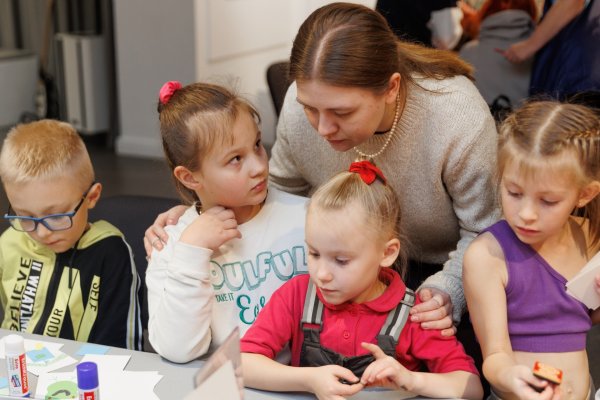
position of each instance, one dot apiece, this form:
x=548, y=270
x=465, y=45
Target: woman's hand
x=213, y=228
x=325, y=382
x=155, y=235
x=385, y=371
x=435, y=311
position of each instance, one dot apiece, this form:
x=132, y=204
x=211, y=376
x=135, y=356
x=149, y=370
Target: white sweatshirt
x=197, y=297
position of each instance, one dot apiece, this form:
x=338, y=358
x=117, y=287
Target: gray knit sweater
x=440, y=164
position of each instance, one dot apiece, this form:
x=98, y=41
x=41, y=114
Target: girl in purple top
x=515, y=272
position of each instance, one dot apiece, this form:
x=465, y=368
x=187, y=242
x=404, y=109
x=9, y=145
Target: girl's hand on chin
x=213, y=228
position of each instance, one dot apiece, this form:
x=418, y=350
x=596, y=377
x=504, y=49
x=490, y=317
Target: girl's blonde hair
x=564, y=137
x=195, y=120
x=345, y=44
x=378, y=201
x=45, y=150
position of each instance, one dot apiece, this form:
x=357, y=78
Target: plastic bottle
x=16, y=366
x=87, y=381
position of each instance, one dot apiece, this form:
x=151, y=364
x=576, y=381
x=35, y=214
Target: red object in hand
x=547, y=372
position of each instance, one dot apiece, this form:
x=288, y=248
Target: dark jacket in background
x=408, y=18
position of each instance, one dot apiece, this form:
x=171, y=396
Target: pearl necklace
x=392, y=132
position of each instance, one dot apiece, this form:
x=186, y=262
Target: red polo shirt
x=345, y=326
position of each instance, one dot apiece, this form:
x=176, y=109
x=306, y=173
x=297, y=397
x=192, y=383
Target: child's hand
x=385, y=371
x=598, y=284
x=326, y=384
x=212, y=228
x=435, y=311
x=523, y=384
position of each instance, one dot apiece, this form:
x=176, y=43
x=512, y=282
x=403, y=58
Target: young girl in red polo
x=346, y=323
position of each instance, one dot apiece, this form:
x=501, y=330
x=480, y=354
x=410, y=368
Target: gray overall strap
x=313, y=308
x=397, y=318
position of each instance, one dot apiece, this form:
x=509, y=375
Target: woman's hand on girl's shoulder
x=435, y=311
x=155, y=236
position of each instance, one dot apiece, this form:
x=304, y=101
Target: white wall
x=154, y=42
x=227, y=42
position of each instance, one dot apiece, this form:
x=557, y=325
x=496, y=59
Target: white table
x=177, y=379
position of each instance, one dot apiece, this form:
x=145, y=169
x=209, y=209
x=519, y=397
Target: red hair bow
x=167, y=90
x=368, y=171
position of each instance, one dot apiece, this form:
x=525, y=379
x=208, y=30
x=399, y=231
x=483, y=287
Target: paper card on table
x=114, y=382
x=43, y=356
x=229, y=350
x=117, y=384
x=33, y=345
x=221, y=374
x=114, y=363
x=57, y=386
x=583, y=287
x=90, y=348
x=38, y=355
x=44, y=363
x=132, y=385
x=221, y=384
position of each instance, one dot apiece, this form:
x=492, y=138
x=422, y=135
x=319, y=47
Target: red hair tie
x=167, y=90
x=368, y=171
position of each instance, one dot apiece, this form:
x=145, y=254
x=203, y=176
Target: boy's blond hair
x=46, y=149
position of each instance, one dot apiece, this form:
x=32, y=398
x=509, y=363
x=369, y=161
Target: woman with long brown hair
x=360, y=93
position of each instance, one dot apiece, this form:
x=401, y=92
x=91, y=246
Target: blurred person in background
x=496, y=26
x=567, y=52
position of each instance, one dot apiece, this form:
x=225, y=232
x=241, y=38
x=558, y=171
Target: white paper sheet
x=583, y=287
x=57, y=385
x=221, y=384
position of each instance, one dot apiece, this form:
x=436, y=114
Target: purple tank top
x=542, y=317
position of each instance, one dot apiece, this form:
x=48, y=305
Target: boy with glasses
x=62, y=276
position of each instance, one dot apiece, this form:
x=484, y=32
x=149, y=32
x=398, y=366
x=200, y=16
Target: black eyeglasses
x=52, y=222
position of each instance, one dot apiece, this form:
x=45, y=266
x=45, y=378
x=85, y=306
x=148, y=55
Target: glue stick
x=16, y=366
x=87, y=381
